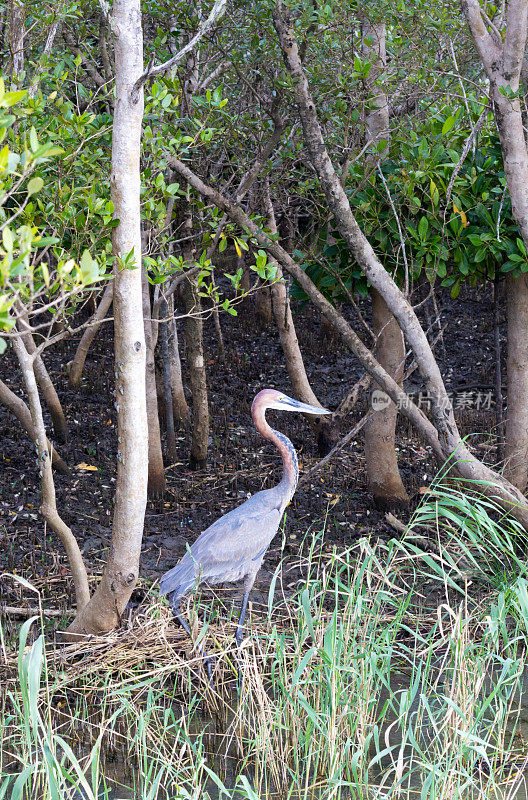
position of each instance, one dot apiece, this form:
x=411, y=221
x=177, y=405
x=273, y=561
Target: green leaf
x=8, y=240
x=305, y=600
x=11, y=98
x=423, y=228
x=448, y=124
x=34, y=186
x=33, y=139
x=4, y=155
x=3, y=345
x=47, y=150
x=89, y=268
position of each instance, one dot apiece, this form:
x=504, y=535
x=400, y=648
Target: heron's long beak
x=290, y=404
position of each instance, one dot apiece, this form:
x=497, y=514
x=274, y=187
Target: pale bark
x=58, y=419
x=381, y=461
x=16, y=36
x=121, y=572
x=499, y=400
x=48, y=507
x=237, y=215
x=156, y=471
x=17, y=407
x=377, y=106
x=77, y=365
x=450, y=441
x=289, y=342
x=503, y=61
x=516, y=441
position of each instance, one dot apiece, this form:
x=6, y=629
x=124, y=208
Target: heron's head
x=271, y=398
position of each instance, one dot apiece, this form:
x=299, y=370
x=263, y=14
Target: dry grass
x=393, y=668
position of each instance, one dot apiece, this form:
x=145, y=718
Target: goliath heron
x=233, y=547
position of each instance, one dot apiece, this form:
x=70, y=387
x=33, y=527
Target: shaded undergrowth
x=395, y=670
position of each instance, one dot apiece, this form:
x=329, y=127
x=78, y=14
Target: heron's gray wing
x=230, y=543
x=240, y=535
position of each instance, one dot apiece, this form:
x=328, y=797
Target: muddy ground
x=240, y=463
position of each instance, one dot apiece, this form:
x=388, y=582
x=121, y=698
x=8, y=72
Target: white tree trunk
x=111, y=596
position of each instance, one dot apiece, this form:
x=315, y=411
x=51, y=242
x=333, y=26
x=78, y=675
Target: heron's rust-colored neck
x=290, y=474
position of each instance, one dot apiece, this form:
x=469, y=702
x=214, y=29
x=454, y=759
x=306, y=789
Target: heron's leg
x=175, y=605
x=248, y=585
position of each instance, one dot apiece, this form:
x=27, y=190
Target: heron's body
x=246, y=531
x=233, y=548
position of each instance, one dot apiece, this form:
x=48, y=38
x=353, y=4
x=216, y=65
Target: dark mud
x=240, y=463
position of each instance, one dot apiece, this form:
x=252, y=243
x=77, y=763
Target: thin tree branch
x=151, y=72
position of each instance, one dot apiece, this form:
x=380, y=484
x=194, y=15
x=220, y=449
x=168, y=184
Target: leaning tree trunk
x=442, y=436
x=20, y=410
x=449, y=438
x=380, y=454
x=77, y=365
x=156, y=471
x=121, y=572
x=381, y=461
x=58, y=419
x=516, y=441
x=48, y=506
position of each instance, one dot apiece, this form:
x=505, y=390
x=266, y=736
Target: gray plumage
x=233, y=548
